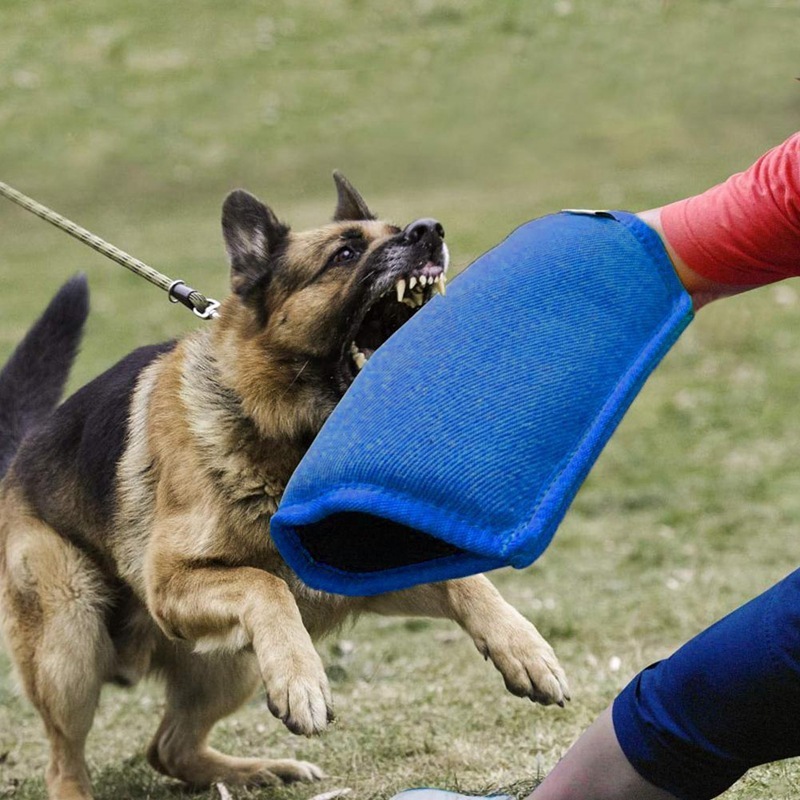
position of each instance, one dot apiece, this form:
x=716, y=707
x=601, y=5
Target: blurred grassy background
x=135, y=119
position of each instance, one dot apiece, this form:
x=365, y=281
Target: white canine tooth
x=412, y=282
x=441, y=281
x=360, y=359
x=401, y=289
x=424, y=280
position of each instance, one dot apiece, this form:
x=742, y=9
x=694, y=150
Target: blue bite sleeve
x=461, y=444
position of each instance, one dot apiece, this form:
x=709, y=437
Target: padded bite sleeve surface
x=461, y=444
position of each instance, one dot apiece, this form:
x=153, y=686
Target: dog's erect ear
x=351, y=205
x=252, y=234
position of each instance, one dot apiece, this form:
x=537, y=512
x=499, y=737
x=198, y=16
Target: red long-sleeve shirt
x=745, y=231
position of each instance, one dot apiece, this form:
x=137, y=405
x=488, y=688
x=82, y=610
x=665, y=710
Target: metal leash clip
x=210, y=311
x=200, y=306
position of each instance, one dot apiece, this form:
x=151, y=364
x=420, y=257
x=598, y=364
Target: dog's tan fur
x=186, y=569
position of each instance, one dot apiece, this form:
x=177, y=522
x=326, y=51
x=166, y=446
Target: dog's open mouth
x=393, y=307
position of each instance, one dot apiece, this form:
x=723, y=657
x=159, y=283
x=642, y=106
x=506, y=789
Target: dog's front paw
x=526, y=661
x=298, y=692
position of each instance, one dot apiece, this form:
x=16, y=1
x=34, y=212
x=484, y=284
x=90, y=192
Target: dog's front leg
x=524, y=658
x=231, y=608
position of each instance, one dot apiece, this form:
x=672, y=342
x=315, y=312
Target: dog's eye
x=344, y=254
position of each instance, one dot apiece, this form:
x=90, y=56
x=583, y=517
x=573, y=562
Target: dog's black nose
x=430, y=229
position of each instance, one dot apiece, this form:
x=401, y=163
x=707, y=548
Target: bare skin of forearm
x=702, y=290
x=595, y=768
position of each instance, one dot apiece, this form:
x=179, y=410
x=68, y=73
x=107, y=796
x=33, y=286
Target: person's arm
x=595, y=768
x=703, y=290
x=740, y=234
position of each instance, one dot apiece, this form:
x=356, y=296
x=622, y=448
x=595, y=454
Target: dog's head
x=316, y=304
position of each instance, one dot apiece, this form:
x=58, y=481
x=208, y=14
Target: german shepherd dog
x=134, y=518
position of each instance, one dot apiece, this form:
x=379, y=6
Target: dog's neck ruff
x=229, y=442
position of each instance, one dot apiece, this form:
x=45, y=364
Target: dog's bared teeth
x=439, y=284
x=401, y=289
x=358, y=357
x=412, y=282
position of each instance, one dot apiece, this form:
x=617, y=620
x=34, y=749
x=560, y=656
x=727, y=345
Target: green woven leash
x=177, y=291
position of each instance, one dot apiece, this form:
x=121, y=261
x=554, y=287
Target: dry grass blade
x=223, y=791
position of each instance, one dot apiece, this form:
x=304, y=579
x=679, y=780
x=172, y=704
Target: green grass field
x=135, y=119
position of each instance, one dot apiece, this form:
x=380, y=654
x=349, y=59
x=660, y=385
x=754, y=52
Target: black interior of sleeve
x=355, y=542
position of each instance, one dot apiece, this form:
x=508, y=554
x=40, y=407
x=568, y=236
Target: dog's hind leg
x=202, y=689
x=53, y=606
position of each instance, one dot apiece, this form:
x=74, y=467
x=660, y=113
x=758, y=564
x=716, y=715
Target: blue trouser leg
x=726, y=701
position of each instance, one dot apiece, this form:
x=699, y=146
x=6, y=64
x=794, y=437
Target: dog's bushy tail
x=33, y=379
